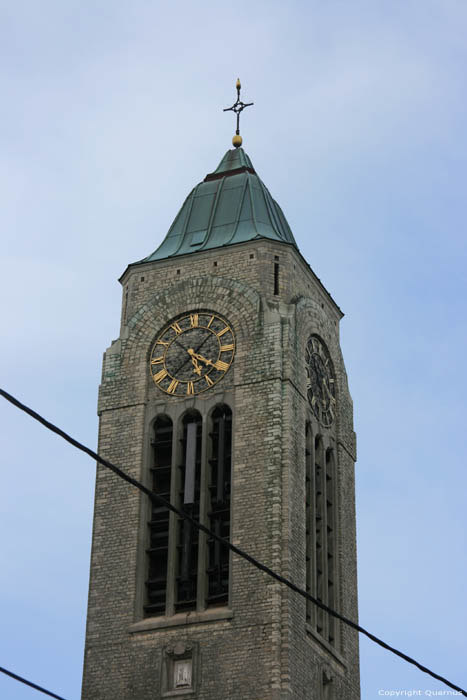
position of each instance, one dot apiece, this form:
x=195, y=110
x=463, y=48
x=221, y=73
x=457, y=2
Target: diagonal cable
x=162, y=502
x=30, y=683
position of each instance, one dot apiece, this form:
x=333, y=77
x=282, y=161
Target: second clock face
x=192, y=353
x=321, y=388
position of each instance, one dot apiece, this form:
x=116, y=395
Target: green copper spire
x=232, y=205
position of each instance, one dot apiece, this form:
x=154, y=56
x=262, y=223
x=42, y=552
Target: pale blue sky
x=111, y=113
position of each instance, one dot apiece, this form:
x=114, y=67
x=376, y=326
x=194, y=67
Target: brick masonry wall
x=263, y=651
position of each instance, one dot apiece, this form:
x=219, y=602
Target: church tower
x=226, y=393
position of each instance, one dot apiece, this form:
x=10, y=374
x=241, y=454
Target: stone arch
x=218, y=405
x=312, y=319
x=236, y=301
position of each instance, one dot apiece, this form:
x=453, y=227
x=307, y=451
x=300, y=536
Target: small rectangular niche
x=179, y=670
x=276, y=279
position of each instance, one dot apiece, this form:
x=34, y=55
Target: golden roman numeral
x=190, y=389
x=162, y=342
x=221, y=366
x=160, y=376
x=157, y=360
x=224, y=330
x=172, y=386
x=176, y=328
x=208, y=379
x=194, y=318
x=211, y=320
x=226, y=348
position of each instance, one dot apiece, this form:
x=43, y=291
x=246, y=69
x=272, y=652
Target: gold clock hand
x=328, y=391
x=194, y=359
x=205, y=360
x=196, y=366
x=200, y=357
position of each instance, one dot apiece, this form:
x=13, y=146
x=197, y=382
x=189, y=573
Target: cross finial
x=238, y=107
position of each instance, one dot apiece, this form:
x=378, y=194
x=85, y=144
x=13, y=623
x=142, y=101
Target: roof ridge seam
x=239, y=209
x=212, y=214
x=272, y=213
x=253, y=210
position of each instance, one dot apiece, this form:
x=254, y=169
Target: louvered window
x=320, y=535
x=310, y=524
x=188, y=570
x=188, y=499
x=159, y=519
x=219, y=505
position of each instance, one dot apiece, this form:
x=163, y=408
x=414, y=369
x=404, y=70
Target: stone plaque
x=182, y=673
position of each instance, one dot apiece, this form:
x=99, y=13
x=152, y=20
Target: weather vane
x=238, y=107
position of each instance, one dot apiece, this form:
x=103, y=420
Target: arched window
x=218, y=505
x=157, y=551
x=187, y=570
x=320, y=534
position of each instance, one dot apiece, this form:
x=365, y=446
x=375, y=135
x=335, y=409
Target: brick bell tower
x=226, y=393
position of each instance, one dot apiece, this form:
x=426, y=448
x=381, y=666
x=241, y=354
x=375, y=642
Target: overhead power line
x=162, y=502
x=32, y=685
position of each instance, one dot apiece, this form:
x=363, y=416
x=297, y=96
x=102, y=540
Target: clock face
x=321, y=389
x=192, y=353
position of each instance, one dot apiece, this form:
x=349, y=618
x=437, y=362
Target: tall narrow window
x=186, y=570
x=125, y=306
x=330, y=544
x=188, y=497
x=219, y=478
x=309, y=524
x=320, y=535
x=159, y=521
x=276, y=279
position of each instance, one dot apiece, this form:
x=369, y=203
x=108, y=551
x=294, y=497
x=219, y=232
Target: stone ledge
x=152, y=623
x=178, y=693
x=325, y=645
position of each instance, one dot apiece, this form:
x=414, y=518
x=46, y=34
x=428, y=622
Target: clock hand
x=196, y=356
x=196, y=366
x=208, y=335
x=328, y=391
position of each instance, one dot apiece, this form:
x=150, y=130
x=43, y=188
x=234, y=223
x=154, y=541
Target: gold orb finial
x=237, y=140
x=238, y=84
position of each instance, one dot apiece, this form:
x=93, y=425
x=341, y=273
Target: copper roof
x=231, y=205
